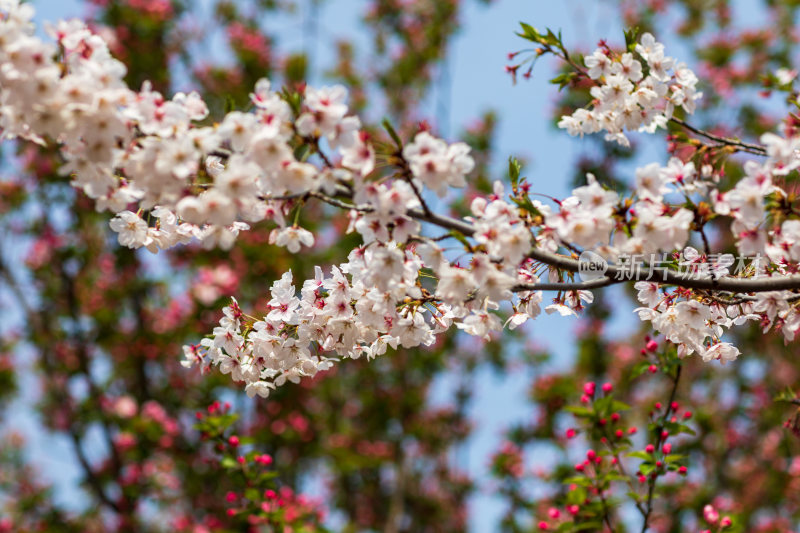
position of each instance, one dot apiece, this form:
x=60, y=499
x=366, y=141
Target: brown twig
x=651, y=485
x=754, y=149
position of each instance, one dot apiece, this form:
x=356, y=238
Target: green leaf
x=563, y=79
x=577, y=480
x=296, y=67
x=577, y=496
x=786, y=395
x=514, y=168
x=529, y=32
x=639, y=455
x=639, y=368
x=675, y=428
x=617, y=405
x=580, y=411
x=553, y=39
x=631, y=36
x=526, y=204
x=532, y=34
x=230, y=104
x=229, y=463
x=302, y=152
x=457, y=235
x=392, y=133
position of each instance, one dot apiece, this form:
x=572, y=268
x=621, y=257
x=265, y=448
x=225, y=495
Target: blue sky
x=477, y=83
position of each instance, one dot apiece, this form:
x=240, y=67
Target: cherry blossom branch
x=669, y=277
x=755, y=149
x=567, y=285
x=338, y=203
x=614, y=275
x=689, y=281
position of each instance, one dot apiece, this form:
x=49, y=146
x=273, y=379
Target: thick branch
x=613, y=274
x=670, y=277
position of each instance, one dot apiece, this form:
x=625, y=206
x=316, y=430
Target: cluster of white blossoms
x=377, y=299
x=125, y=148
x=693, y=326
x=629, y=95
x=138, y=154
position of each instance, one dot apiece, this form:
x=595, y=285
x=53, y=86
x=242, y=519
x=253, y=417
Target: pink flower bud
x=543, y=526
x=573, y=509
x=607, y=387
x=570, y=433
x=653, y=369
x=650, y=448
x=651, y=346
x=591, y=455
x=553, y=512
x=725, y=522
x=233, y=440
x=668, y=448
x=682, y=470
x=589, y=388
x=710, y=514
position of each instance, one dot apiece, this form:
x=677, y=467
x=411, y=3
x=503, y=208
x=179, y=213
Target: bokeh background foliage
x=91, y=344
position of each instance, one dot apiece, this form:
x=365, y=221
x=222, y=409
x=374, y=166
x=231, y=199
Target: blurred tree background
x=96, y=330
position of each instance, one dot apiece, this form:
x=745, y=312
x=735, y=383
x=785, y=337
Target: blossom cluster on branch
x=171, y=177
x=631, y=94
